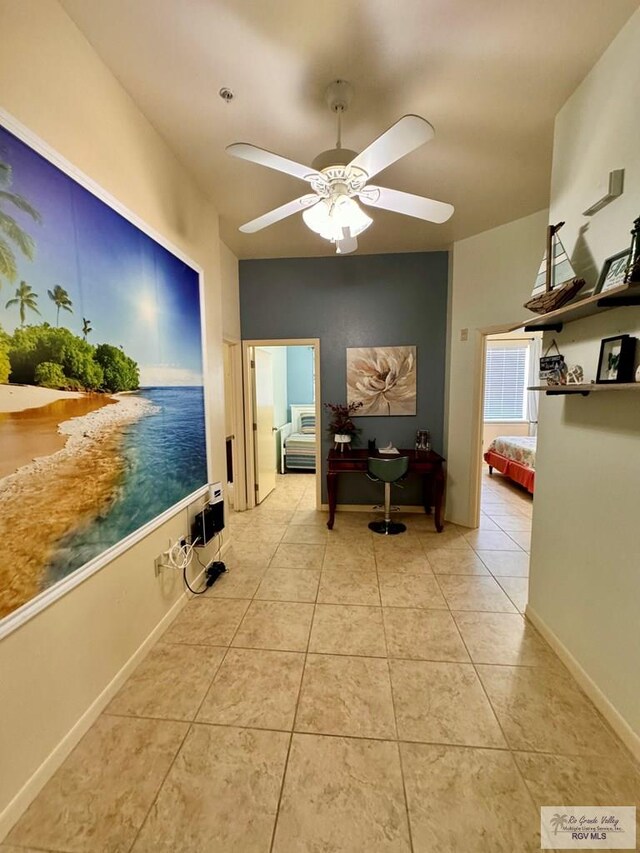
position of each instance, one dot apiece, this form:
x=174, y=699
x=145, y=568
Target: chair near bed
x=298, y=440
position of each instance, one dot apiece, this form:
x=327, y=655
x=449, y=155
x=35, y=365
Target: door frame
x=248, y=381
x=238, y=443
x=477, y=424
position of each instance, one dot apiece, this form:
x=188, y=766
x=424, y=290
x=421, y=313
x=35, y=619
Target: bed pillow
x=307, y=424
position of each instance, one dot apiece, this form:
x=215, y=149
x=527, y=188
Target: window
x=505, y=383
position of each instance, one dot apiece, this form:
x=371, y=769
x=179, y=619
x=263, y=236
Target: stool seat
x=387, y=471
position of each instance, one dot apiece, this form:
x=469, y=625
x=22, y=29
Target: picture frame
x=616, y=359
x=613, y=271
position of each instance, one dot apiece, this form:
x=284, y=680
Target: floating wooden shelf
x=626, y=294
x=565, y=390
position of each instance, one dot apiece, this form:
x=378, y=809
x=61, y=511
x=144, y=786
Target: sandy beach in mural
x=51, y=495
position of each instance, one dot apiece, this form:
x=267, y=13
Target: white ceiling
x=490, y=75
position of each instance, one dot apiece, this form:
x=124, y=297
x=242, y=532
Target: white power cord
x=180, y=556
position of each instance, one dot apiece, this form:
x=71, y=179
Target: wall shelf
x=617, y=297
x=586, y=389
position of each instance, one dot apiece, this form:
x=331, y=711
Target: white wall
x=492, y=429
x=585, y=558
x=492, y=277
x=58, y=663
x=230, y=294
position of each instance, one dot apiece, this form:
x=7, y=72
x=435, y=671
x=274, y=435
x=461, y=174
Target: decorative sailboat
x=556, y=282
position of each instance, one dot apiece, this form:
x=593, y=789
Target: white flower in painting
x=383, y=379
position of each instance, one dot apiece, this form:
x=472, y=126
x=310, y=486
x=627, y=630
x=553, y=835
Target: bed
x=298, y=440
x=515, y=457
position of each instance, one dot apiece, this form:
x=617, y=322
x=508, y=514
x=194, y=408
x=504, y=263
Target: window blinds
x=505, y=381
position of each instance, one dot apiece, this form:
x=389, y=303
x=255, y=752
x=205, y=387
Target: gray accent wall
x=358, y=301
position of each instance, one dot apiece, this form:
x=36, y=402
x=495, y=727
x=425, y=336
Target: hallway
x=341, y=691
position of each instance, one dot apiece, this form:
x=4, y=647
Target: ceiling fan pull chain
x=339, y=142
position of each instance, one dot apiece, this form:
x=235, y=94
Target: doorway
x=507, y=420
x=282, y=422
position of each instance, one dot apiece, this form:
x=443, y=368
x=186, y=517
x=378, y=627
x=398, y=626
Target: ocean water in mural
x=102, y=417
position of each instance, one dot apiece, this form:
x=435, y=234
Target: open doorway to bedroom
x=505, y=457
x=282, y=411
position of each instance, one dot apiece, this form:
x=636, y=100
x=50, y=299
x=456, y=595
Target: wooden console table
x=428, y=465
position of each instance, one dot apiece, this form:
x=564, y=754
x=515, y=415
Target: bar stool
x=387, y=471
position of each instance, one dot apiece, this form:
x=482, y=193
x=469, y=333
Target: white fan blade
x=245, y=151
x=279, y=213
x=403, y=137
x=346, y=246
x=407, y=203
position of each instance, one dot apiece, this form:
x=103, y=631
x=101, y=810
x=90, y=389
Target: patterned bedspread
x=519, y=448
x=300, y=450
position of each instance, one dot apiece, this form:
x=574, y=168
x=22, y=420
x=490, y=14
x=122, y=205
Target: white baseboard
x=32, y=787
x=617, y=722
x=369, y=508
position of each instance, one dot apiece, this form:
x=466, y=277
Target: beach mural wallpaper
x=102, y=417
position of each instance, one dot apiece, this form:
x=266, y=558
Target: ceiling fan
x=339, y=175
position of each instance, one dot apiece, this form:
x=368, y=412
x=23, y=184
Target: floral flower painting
x=383, y=379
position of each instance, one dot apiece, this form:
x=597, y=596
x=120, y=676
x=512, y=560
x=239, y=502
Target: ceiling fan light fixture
x=332, y=217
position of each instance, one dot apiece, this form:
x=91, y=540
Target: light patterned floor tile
x=220, y=795
x=350, y=556
x=98, y=799
x=206, y=621
x=543, y=710
x=405, y=590
x=239, y=582
x=341, y=796
x=450, y=562
x=403, y=562
x=470, y=800
x=506, y=563
x=511, y=522
x=289, y=585
x=491, y=540
x=423, y=635
x=306, y=534
x=185, y=673
x=275, y=625
x=343, y=629
x=564, y=780
x=503, y=638
x=346, y=696
x=442, y=703
x=463, y=592
x=342, y=587
x=255, y=688
x=449, y=539
x=521, y=538
x=517, y=589
x=298, y=557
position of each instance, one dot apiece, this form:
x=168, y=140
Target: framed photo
x=613, y=271
x=617, y=357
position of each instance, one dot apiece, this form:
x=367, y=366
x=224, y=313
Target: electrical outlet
x=158, y=564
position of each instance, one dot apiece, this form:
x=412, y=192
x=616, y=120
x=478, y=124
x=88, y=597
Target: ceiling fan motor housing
x=333, y=157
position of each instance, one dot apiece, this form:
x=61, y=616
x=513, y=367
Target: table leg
x=427, y=492
x=439, y=489
x=332, y=489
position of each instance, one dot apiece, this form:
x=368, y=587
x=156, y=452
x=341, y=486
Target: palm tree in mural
x=13, y=235
x=60, y=298
x=86, y=327
x=24, y=298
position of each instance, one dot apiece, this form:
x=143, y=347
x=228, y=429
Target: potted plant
x=341, y=427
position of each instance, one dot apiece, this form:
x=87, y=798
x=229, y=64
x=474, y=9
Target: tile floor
x=336, y=691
